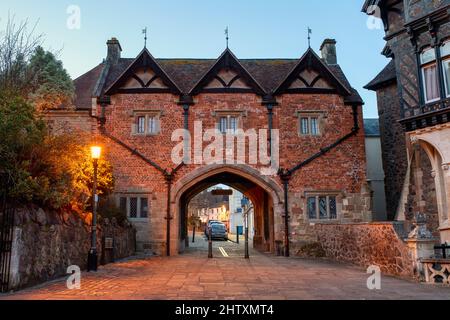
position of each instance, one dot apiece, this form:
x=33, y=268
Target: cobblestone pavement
x=193, y=276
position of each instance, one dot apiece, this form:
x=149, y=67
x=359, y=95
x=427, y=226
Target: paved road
x=193, y=276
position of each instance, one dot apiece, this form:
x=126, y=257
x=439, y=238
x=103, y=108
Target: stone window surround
x=138, y=195
x=158, y=114
x=240, y=115
x=320, y=115
x=331, y=193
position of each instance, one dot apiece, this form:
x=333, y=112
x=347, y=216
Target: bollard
x=193, y=235
x=247, y=256
x=210, y=251
x=237, y=235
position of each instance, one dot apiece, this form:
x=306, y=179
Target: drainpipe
x=186, y=128
x=285, y=176
x=270, y=120
x=187, y=142
x=169, y=181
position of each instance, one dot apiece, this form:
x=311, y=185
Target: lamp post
x=92, y=257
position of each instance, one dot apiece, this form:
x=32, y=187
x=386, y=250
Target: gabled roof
x=310, y=61
x=386, y=77
x=144, y=60
x=227, y=61
x=183, y=75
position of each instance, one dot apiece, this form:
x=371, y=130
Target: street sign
x=220, y=192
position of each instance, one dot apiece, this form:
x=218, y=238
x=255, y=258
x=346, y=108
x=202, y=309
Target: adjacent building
x=375, y=172
x=414, y=107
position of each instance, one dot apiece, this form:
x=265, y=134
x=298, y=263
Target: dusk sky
x=195, y=29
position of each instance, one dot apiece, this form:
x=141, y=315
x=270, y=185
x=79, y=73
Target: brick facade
x=340, y=171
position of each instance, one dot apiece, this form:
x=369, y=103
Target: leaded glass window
x=312, y=208
x=133, y=207
x=322, y=207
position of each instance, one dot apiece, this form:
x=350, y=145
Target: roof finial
x=309, y=37
x=227, y=35
x=144, y=31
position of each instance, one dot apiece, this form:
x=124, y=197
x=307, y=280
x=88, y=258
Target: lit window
x=322, y=207
x=445, y=54
x=429, y=75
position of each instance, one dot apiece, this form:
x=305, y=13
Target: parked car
x=219, y=231
x=209, y=224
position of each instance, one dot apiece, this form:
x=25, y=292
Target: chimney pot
x=114, y=51
x=328, y=50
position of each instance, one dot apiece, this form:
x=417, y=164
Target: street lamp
x=92, y=257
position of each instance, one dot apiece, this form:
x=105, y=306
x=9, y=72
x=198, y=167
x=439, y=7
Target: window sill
x=137, y=219
x=301, y=135
x=324, y=221
x=143, y=135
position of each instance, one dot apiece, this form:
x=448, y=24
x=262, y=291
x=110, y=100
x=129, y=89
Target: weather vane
x=227, y=35
x=309, y=37
x=144, y=31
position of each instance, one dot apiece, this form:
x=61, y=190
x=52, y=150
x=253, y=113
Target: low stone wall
x=367, y=244
x=46, y=244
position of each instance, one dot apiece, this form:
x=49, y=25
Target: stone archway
x=434, y=144
x=264, y=192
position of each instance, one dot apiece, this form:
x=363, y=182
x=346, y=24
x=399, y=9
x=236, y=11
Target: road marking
x=224, y=253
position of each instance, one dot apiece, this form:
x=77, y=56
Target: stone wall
x=367, y=244
x=46, y=243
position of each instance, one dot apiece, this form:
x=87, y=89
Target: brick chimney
x=114, y=51
x=328, y=50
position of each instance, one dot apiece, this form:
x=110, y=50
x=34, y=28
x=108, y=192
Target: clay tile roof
x=354, y=97
x=84, y=87
x=187, y=72
x=269, y=72
x=385, y=77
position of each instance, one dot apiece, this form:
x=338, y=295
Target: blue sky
x=195, y=29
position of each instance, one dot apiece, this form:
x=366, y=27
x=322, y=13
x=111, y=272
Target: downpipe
x=286, y=174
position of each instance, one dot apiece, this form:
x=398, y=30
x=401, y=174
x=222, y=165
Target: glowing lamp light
x=96, y=152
